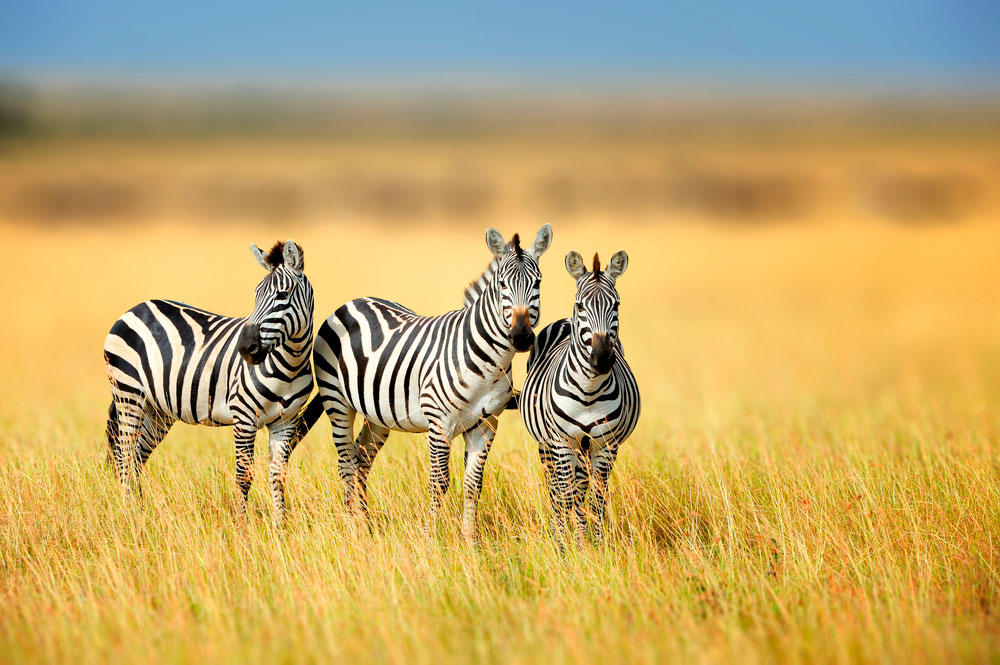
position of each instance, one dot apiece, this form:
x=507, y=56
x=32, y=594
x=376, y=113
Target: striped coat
x=580, y=400
x=168, y=361
x=445, y=375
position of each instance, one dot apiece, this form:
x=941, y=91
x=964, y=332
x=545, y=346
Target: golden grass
x=814, y=479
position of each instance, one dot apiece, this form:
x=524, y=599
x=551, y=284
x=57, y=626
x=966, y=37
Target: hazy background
x=767, y=112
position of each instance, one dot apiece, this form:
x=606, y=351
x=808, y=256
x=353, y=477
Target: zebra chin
x=254, y=358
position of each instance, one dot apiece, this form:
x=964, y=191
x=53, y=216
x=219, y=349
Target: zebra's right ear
x=574, y=265
x=261, y=257
x=496, y=243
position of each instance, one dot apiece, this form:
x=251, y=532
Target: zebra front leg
x=580, y=483
x=440, y=478
x=477, y=447
x=602, y=461
x=556, y=460
x=244, y=434
x=281, y=449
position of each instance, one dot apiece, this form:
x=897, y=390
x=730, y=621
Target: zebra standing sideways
x=580, y=400
x=168, y=361
x=444, y=375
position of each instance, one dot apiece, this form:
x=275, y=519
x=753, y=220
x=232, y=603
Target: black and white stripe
x=168, y=361
x=445, y=375
x=580, y=400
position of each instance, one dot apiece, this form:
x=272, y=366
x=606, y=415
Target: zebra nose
x=521, y=333
x=602, y=354
x=249, y=345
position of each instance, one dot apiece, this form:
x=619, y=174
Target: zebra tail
x=310, y=414
x=112, y=432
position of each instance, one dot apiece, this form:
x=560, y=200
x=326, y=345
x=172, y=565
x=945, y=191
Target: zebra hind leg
x=111, y=430
x=342, y=426
x=367, y=445
x=155, y=426
x=124, y=430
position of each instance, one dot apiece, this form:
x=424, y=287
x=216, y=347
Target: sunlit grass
x=815, y=477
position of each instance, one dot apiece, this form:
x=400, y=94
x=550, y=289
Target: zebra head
x=595, y=317
x=283, y=302
x=516, y=281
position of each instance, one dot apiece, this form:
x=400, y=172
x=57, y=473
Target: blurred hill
x=84, y=152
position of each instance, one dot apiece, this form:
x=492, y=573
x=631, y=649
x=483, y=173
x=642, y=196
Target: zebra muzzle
x=250, y=346
x=602, y=354
x=521, y=334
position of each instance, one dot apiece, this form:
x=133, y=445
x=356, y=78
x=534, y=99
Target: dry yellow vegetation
x=815, y=477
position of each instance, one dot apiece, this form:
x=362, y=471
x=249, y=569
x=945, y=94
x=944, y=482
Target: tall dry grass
x=814, y=479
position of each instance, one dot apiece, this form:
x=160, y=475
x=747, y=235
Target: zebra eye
x=282, y=294
x=503, y=284
x=579, y=306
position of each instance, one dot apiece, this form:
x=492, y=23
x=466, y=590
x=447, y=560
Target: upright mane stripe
x=276, y=255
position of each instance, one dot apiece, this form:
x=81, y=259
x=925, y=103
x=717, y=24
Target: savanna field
x=815, y=476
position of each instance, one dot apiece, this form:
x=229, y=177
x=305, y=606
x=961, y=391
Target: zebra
x=168, y=361
x=580, y=400
x=444, y=375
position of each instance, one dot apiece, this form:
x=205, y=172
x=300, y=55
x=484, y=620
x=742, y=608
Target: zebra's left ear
x=542, y=241
x=293, y=256
x=261, y=257
x=617, y=264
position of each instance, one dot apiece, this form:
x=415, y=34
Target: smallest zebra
x=580, y=400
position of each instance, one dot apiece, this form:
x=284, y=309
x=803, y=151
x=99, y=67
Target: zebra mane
x=597, y=264
x=478, y=285
x=276, y=256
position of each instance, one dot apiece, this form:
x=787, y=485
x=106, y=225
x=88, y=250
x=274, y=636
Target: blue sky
x=928, y=41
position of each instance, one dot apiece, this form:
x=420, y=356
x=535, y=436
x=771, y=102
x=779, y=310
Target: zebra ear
x=293, y=256
x=542, y=241
x=261, y=257
x=496, y=243
x=574, y=265
x=617, y=265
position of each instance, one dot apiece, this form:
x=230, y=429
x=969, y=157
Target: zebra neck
x=292, y=356
x=485, y=331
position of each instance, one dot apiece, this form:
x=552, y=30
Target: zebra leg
x=342, y=427
x=440, y=478
x=558, y=465
x=602, y=461
x=477, y=447
x=155, y=426
x=369, y=442
x=280, y=442
x=581, y=482
x=130, y=409
x=244, y=433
